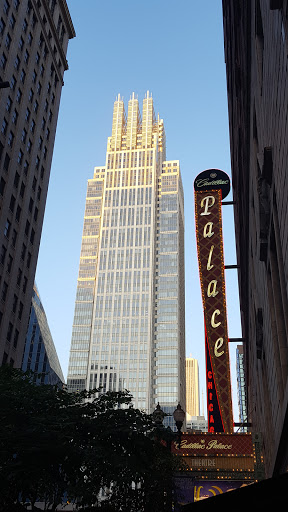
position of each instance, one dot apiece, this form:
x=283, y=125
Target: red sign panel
x=214, y=444
x=211, y=268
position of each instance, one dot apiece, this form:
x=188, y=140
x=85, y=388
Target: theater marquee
x=214, y=464
x=211, y=187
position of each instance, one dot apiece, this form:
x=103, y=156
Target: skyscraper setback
x=129, y=321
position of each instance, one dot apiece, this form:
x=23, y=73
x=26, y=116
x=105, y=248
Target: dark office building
x=256, y=54
x=34, y=37
x=40, y=354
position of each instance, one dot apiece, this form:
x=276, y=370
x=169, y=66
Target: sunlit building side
x=197, y=424
x=192, y=387
x=129, y=325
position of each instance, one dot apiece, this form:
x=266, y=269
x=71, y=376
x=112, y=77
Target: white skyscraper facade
x=192, y=387
x=129, y=322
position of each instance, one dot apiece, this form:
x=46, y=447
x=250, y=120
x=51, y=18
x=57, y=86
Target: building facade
x=192, y=387
x=40, y=355
x=241, y=388
x=197, y=424
x=256, y=53
x=129, y=325
x=33, y=44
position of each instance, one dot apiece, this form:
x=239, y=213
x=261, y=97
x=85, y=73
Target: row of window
x=15, y=305
x=27, y=139
x=126, y=259
x=130, y=159
x=128, y=197
x=116, y=325
x=139, y=216
x=130, y=284
x=108, y=345
x=129, y=178
x=128, y=237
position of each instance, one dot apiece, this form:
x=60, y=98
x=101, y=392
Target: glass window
x=21, y=43
x=19, y=96
x=20, y=157
x=10, y=139
x=12, y=21
x=4, y=291
x=24, y=25
x=8, y=104
x=27, y=114
x=4, y=126
x=8, y=41
x=2, y=25
x=3, y=61
x=13, y=83
x=7, y=228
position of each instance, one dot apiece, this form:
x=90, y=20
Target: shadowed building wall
x=34, y=37
x=256, y=53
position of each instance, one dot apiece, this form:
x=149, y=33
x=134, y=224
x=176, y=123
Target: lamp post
x=158, y=416
x=179, y=416
x=166, y=435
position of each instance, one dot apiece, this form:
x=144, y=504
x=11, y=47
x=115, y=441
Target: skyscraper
x=129, y=325
x=34, y=37
x=40, y=354
x=192, y=387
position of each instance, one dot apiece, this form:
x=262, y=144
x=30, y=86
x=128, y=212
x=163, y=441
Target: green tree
x=55, y=444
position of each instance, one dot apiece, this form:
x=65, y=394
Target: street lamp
x=158, y=415
x=179, y=416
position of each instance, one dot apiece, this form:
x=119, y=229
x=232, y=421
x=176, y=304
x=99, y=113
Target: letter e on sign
x=218, y=345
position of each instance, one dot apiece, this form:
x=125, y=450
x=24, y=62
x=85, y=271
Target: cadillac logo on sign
x=211, y=187
x=213, y=179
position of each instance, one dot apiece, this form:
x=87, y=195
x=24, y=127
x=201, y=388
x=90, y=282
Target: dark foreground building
x=34, y=37
x=256, y=54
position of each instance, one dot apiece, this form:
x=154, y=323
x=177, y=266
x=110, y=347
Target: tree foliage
x=55, y=444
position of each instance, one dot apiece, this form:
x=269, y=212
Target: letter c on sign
x=216, y=312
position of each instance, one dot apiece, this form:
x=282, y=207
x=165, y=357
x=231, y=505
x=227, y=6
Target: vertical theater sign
x=211, y=186
x=219, y=460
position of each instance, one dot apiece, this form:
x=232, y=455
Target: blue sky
x=176, y=51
